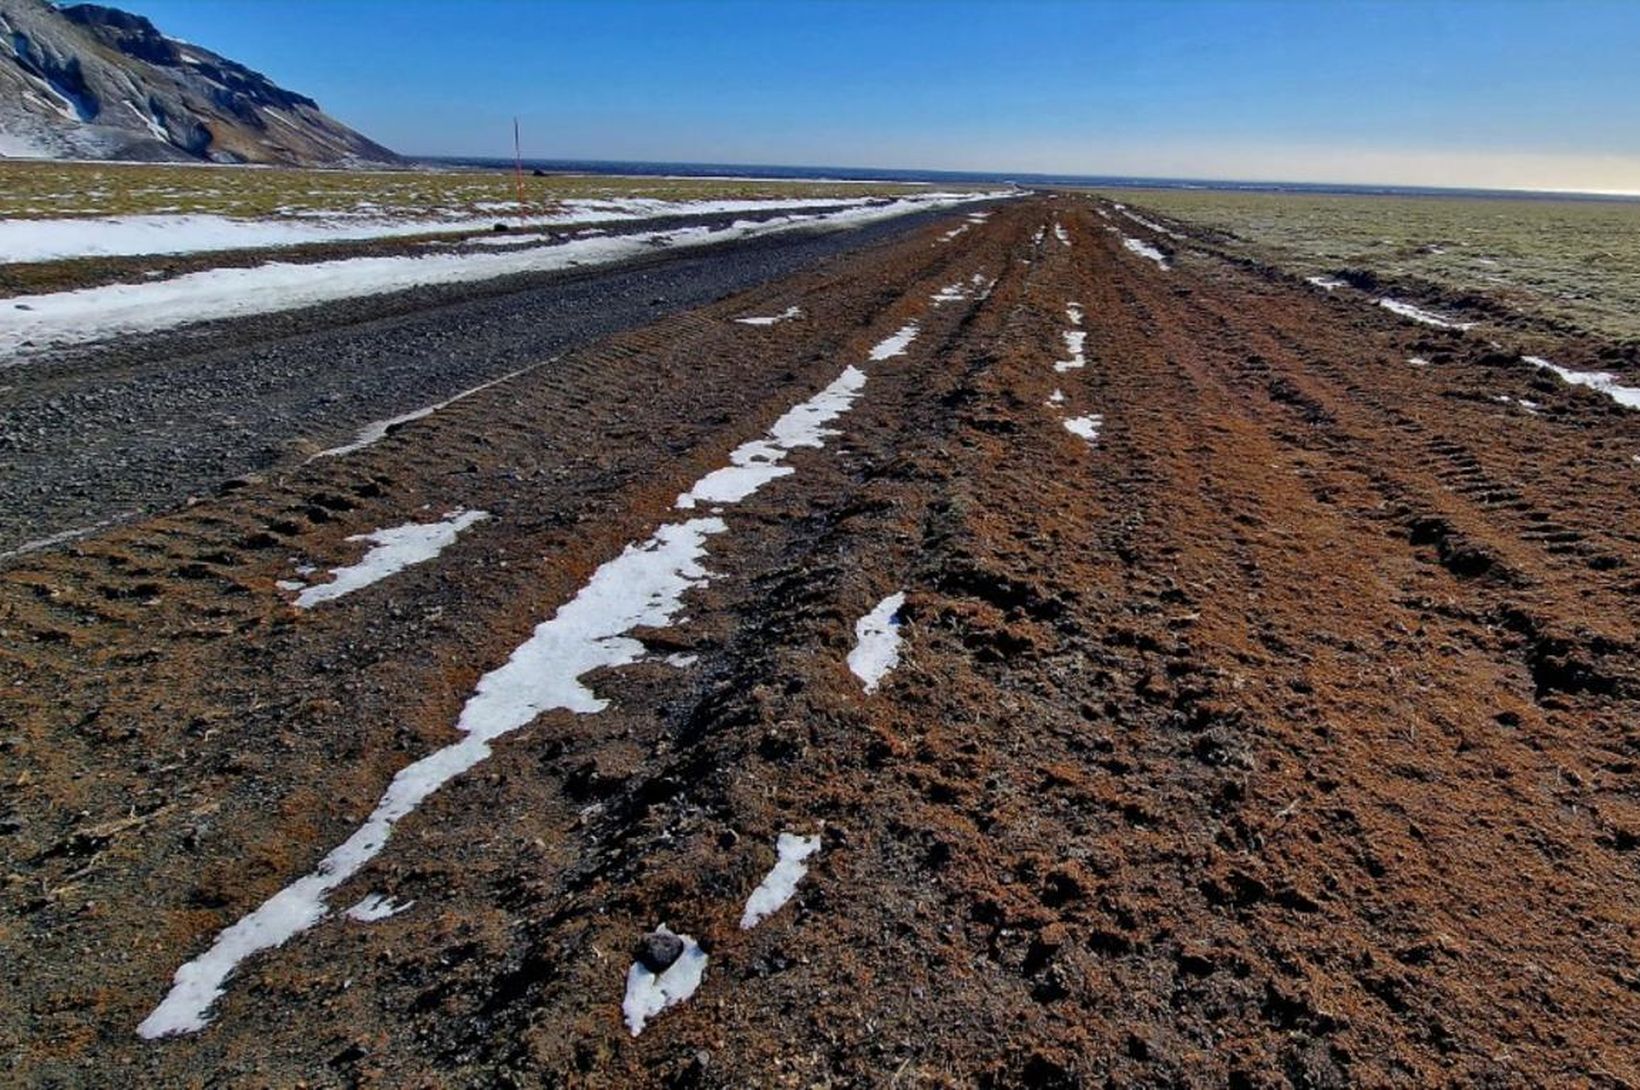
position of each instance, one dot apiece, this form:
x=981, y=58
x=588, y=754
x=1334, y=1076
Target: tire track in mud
x=1211, y=757
x=1349, y=481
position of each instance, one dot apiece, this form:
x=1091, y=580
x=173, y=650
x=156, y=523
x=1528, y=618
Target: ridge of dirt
x=1283, y=735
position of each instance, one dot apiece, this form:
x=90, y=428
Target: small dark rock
x=658, y=950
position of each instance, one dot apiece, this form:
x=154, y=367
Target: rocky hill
x=93, y=82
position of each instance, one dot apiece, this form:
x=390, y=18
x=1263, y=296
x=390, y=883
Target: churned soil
x=1284, y=734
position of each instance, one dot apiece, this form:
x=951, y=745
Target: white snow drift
x=1085, y=427
x=1603, y=381
x=648, y=993
x=1074, y=340
x=780, y=884
x=753, y=465
x=877, y=642
x=375, y=906
x=784, y=316
x=396, y=548
x=1419, y=314
x=1146, y=250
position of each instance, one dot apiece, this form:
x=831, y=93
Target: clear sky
x=1513, y=93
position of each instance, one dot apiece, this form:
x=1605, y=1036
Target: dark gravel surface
x=123, y=428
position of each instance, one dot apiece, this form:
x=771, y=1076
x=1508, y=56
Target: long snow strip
x=649, y=993
x=1603, y=381
x=785, y=315
x=780, y=884
x=1419, y=314
x=396, y=548
x=128, y=236
x=90, y=314
x=877, y=642
x=377, y=430
x=643, y=587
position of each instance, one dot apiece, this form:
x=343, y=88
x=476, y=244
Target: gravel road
x=119, y=429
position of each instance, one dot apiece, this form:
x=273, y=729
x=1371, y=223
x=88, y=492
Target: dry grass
x=37, y=190
x=1574, y=260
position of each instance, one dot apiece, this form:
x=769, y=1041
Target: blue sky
x=1484, y=92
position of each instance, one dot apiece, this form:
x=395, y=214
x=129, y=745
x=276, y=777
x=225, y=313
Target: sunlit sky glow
x=1504, y=93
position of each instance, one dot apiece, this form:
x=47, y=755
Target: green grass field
x=1574, y=260
x=42, y=190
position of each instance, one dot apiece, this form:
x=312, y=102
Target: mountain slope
x=93, y=82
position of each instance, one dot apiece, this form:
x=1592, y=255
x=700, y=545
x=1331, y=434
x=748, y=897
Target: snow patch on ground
x=1417, y=361
x=877, y=642
x=1085, y=427
x=155, y=129
x=1059, y=233
x=375, y=907
x=1056, y=398
x=396, y=548
x=780, y=884
x=896, y=343
x=1603, y=381
x=377, y=430
x=1327, y=283
x=1146, y=250
x=753, y=465
x=1419, y=314
x=785, y=315
x=1073, y=311
x=976, y=287
x=1074, y=339
x=1530, y=406
x=647, y=994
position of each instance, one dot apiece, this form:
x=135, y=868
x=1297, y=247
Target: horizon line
x=1007, y=175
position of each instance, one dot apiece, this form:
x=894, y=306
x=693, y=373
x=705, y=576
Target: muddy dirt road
x=1260, y=710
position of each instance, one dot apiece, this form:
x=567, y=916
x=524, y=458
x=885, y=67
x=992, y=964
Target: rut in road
x=1280, y=735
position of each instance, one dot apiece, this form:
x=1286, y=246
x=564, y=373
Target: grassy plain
x=1574, y=260
x=42, y=190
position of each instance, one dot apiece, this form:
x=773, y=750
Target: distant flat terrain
x=1576, y=261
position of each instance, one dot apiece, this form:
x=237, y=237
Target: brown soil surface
x=1284, y=736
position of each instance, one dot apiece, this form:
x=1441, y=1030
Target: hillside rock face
x=97, y=83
